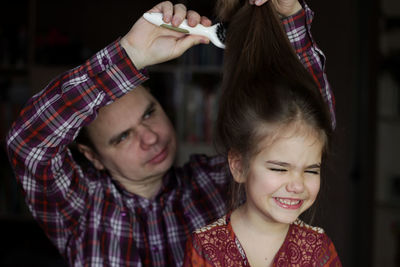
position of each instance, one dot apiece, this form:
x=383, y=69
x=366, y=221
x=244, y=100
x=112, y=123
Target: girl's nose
x=296, y=184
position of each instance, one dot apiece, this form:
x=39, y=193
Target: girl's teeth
x=288, y=201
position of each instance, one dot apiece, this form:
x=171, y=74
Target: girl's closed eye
x=277, y=169
x=312, y=171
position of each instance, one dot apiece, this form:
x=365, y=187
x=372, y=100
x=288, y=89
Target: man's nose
x=148, y=137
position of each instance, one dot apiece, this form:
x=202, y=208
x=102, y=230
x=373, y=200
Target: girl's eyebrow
x=279, y=163
x=314, y=166
x=285, y=164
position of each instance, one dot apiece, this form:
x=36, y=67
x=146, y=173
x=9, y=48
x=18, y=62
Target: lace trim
x=300, y=223
x=219, y=222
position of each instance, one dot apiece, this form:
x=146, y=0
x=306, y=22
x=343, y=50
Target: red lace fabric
x=306, y=246
x=217, y=245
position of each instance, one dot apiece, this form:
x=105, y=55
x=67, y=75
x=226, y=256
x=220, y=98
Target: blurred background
x=360, y=209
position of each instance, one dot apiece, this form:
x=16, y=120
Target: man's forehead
x=126, y=110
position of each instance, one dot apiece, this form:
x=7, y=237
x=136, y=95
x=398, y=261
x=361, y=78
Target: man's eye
x=122, y=137
x=148, y=113
x=277, y=170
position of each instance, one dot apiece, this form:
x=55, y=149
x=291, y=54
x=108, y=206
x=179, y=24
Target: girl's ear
x=235, y=161
x=92, y=156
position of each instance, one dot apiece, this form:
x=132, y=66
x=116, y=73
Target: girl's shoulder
x=215, y=245
x=303, y=235
x=309, y=244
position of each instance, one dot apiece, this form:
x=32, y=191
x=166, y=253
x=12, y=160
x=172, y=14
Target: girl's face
x=283, y=179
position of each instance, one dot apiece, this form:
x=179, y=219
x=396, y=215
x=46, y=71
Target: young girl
x=274, y=129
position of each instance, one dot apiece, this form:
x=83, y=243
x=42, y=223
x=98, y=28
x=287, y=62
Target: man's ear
x=92, y=156
x=235, y=161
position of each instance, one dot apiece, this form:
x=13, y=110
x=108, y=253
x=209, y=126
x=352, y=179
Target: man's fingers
x=175, y=14
x=205, y=21
x=166, y=8
x=193, y=18
x=179, y=14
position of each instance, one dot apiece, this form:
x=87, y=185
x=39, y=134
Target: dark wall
x=334, y=30
x=347, y=35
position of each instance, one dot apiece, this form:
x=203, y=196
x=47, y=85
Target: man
x=131, y=208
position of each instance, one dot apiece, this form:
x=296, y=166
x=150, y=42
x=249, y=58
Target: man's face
x=135, y=140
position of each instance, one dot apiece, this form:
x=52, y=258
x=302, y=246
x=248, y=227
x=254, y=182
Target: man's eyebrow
x=114, y=139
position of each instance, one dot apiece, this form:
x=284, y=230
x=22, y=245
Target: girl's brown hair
x=264, y=84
